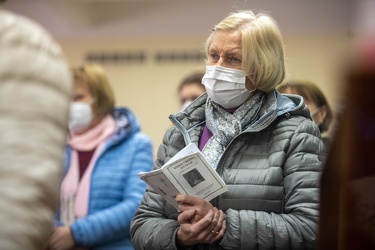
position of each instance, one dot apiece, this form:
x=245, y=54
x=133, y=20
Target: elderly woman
x=100, y=190
x=264, y=146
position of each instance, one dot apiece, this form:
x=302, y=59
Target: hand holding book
x=188, y=172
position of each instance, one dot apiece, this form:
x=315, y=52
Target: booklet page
x=188, y=172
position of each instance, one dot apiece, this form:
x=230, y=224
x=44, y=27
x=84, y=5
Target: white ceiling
x=150, y=18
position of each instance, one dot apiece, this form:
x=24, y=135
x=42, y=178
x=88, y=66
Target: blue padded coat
x=116, y=190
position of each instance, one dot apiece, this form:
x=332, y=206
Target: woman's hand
x=200, y=206
x=209, y=229
x=200, y=222
x=62, y=239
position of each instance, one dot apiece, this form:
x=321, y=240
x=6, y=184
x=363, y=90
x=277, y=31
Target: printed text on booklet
x=188, y=172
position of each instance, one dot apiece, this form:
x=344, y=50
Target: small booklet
x=188, y=172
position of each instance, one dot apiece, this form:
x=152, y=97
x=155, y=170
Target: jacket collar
x=126, y=123
x=275, y=105
x=300, y=106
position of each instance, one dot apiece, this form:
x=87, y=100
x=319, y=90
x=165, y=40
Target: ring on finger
x=215, y=232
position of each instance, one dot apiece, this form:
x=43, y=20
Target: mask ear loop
x=314, y=112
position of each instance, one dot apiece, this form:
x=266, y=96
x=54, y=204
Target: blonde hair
x=262, y=47
x=95, y=78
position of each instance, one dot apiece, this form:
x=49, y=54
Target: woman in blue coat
x=100, y=189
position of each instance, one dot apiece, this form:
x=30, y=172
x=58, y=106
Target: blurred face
x=312, y=106
x=226, y=51
x=190, y=92
x=318, y=114
x=81, y=93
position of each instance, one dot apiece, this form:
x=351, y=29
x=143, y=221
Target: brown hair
x=310, y=92
x=94, y=76
x=193, y=78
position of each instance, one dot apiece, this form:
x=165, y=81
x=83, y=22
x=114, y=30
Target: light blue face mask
x=226, y=86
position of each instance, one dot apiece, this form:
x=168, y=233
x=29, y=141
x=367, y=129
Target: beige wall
x=149, y=89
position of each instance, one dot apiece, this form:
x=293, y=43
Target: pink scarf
x=74, y=194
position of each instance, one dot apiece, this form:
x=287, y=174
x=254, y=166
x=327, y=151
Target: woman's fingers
x=205, y=222
x=217, y=234
x=195, y=233
x=187, y=199
x=217, y=221
x=200, y=205
x=210, y=226
x=185, y=217
x=207, y=230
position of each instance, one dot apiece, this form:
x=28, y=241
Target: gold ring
x=215, y=232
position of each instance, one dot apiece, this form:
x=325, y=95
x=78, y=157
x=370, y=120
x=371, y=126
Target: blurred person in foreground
x=100, y=190
x=264, y=146
x=315, y=100
x=190, y=88
x=35, y=89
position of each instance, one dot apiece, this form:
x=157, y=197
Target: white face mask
x=226, y=86
x=80, y=116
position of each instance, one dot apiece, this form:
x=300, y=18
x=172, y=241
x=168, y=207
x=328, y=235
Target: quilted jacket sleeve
x=35, y=89
x=113, y=223
x=296, y=227
x=151, y=228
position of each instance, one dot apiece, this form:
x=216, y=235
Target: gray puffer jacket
x=272, y=170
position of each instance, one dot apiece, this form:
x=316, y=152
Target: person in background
x=100, y=190
x=264, y=146
x=190, y=88
x=315, y=100
x=35, y=89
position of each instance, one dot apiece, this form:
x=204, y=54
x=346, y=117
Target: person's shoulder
x=126, y=120
x=292, y=105
x=18, y=29
x=136, y=142
x=121, y=113
x=140, y=137
x=296, y=123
